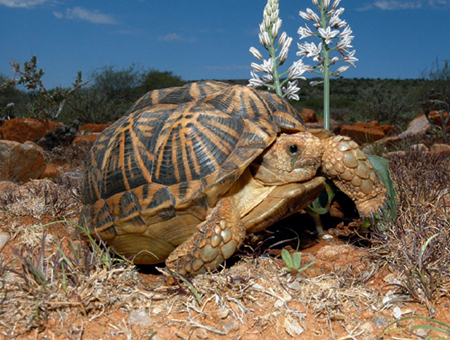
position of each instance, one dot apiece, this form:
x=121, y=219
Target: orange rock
x=20, y=162
x=51, y=125
x=91, y=128
x=387, y=129
x=23, y=129
x=50, y=171
x=309, y=116
x=85, y=139
x=364, y=132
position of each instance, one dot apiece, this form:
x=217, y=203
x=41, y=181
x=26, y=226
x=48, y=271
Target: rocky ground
x=53, y=286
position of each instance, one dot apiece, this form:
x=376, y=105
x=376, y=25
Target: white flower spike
x=334, y=38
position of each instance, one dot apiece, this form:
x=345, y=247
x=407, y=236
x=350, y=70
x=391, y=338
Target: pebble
x=140, y=317
x=230, y=326
x=4, y=237
x=379, y=321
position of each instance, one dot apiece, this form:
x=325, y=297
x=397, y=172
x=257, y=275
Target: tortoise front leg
x=218, y=237
x=354, y=174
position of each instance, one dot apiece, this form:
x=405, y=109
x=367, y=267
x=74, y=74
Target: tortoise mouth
x=308, y=162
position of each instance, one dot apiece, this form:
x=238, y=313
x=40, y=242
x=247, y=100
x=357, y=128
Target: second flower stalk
x=327, y=25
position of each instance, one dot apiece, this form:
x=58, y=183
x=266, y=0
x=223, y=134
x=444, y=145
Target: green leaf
x=297, y=260
x=287, y=258
x=381, y=166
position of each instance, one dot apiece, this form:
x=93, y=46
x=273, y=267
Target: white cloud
x=439, y=3
x=22, y=3
x=80, y=13
x=175, y=37
x=390, y=5
x=395, y=4
x=59, y=15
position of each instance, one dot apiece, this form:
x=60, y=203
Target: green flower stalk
x=328, y=26
x=272, y=79
x=335, y=36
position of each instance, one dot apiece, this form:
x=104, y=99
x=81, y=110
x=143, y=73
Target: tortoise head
x=291, y=158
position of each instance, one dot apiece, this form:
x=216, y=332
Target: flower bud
x=267, y=20
x=262, y=28
x=341, y=69
x=305, y=16
x=282, y=39
x=257, y=67
x=255, y=81
x=284, y=50
x=275, y=28
x=264, y=39
x=335, y=4
x=256, y=53
x=334, y=60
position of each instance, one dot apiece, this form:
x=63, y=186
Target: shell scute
x=175, y=153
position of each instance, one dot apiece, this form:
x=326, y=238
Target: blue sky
x=209, y=39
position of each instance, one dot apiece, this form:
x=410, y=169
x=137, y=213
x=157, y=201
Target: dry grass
x=416, y=244
x=54, y=287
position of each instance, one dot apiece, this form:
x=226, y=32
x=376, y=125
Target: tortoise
x=187, y=172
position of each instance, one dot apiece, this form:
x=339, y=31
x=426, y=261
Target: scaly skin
x=218, y=238
x=353, y=173
x=291, y=161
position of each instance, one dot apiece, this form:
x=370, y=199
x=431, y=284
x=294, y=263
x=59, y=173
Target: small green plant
x=293, y=262
x=48, y=104
x=190, y=285
x=442, y=327
x=321, y=206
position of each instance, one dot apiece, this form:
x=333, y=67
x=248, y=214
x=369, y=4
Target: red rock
x=387, y=129
x=23, y=129
x=363, y=132
x=51, y=125
x=20, y=162
x=92, y=128
x=51, y=171
x=85, y=139
x=336, y=210
x=309, y=116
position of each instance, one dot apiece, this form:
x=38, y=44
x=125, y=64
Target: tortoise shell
x=175, y=153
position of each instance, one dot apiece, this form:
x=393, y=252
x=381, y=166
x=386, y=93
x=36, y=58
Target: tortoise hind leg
x=219, y=236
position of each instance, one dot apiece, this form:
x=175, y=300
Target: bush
x=113, y=92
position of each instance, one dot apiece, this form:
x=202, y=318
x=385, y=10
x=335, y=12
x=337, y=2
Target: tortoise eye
x=293, y=150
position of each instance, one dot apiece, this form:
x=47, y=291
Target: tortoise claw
x=361, y=215
x=382, y=213
x=372, y=218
